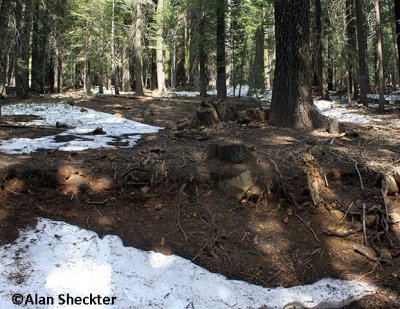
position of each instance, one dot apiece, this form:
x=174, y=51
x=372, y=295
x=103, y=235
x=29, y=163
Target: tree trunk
x=352, y=43
x=292, y=104
x=379, y=49
x=362, y=48
x=22, y=48
x=221, y=70
x=202, y=57
x=397, y=17
x=138, y=51
x=160, y=52
x=319, y=48
x=59, y=74
x=4, y=10
x=114, y=67
x=126, y=86
x=258, y=64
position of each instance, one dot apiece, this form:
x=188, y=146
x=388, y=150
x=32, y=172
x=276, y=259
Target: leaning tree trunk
x=379, y=51
x=362, y=48
x=292, y=105
x=138, y=51
x=221, y=70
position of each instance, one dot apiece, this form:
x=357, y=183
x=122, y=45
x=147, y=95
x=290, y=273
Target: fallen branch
x=178, y=209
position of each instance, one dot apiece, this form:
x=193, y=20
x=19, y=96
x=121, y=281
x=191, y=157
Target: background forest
x=53, y=45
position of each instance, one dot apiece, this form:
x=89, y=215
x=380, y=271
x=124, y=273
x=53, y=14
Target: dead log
x=234, y=153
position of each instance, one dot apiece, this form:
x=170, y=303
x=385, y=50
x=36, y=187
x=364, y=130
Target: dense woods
x=348, y=46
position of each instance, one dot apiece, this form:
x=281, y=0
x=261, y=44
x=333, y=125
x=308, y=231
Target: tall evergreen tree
x=292, y=104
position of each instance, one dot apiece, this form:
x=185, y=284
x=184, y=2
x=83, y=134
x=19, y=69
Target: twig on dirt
x=274, y=276
x=178, y=209
x=326, y=179
x=364, y=226
x=347, y=211
x=276, y=168
x=366, y=252
x=385, y=204
x=184, y=163
x=359, y=174
x=307, y=225
x=88, y=201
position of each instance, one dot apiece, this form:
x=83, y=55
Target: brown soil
x=274, y=235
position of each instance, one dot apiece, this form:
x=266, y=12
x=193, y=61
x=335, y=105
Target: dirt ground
x=257, y=221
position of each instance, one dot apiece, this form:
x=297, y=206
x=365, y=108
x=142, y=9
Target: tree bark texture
x=292, y=105
x=138, y=51
x=221, y=63
x=362, y=48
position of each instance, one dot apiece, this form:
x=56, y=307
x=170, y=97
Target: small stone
x=395, y=275
x=84, y=110
x=370, y=220
x=389, y=185
x=158, y=207
x=286, y=220
x=397, y=174
x=337, y=214
x=395, y=217
x=386, y=254
x=290, y=212
x=145, y=189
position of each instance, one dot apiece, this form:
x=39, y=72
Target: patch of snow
x=244, y=91
x=390, y=97
x=83, y=121
x=57, y=258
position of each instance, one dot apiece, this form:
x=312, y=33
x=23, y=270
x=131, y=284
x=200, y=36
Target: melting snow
x=83, y=121
x=58, y=258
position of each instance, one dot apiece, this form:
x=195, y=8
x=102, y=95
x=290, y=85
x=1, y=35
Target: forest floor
x=254, y=221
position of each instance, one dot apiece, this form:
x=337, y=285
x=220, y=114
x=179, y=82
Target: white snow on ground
x=332, y=109
x=343, y=113
x=82, y=121
x=244, y=91
x=388, y=97
x=57, y=258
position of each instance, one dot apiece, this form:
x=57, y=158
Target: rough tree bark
x=320, y=78
x=138, y=51
x=397, y=17
x=379, y=50
x=221, y=70
x=259, y=60
x=114, y=67
x=202, y=57
x=292, y=105
x=362, y=48
x=5, y=6
x=160, y=52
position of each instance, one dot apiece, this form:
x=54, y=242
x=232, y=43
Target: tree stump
x=234, y=153
x=333, y=126
x=207, y=115
x=252, y=115
x=226, y=111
